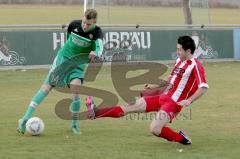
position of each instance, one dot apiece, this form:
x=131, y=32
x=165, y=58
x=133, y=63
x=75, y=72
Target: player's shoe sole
x=90, y=107
x=21, y=126
x=186, y=139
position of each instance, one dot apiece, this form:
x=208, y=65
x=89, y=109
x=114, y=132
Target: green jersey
x=72, y=60
x=76, y=45
x=80, y=42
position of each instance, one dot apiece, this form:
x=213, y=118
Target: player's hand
x=92, y=56
x=150, y=86
x=184, y=103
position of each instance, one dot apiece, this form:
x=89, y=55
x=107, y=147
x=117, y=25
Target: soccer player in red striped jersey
x=186, y=83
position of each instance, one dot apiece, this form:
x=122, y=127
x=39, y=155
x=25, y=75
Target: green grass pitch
x=213, y=126
x=63, y=14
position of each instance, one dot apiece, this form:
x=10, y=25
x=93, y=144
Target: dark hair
x=90, y=14
x=187, y=43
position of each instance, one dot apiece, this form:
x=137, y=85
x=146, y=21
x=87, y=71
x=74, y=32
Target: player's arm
x=197, y=94
x=194, y=97
x=161, y=84
x=202, y=86
x=98, y=46
x=98, y=50
x=151, y=86
x=99, y=43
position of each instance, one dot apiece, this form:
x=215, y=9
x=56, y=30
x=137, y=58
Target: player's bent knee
x=155, y=130
x=141, y=102
x=75, y=86
x=163, y=116
x=161, y=119
x=76, y=82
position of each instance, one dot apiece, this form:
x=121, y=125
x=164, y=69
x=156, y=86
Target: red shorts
x=162, y=102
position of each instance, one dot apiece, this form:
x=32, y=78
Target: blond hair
x=90, y=14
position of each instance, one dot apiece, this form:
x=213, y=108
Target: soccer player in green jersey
x=84, y=43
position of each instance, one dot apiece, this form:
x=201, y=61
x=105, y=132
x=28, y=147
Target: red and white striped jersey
x=184, y=80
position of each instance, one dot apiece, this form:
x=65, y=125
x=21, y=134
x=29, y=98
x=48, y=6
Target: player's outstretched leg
x=113, y=111
x=36, y=100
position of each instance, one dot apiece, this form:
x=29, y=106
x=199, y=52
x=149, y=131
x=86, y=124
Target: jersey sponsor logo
x=178, y=72
x=80, y=42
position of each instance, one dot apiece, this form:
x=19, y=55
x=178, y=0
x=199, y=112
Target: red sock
x=170, y=135
x=114, y=112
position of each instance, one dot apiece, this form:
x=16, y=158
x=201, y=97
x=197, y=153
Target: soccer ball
x=35, y=126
